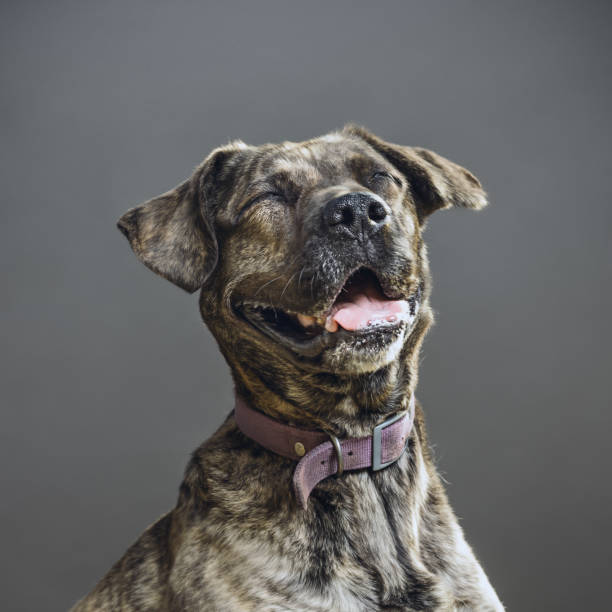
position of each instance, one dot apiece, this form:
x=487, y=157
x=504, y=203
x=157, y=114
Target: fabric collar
x=321, y=455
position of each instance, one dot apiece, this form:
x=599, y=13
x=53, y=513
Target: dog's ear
x=435, y=181
x=173, y=234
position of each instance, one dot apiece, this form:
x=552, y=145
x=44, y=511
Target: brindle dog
x=278, y=239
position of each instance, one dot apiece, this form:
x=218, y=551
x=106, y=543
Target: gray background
x=109, y=379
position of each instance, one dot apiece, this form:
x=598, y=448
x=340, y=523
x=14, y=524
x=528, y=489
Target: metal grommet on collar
x=339, y=456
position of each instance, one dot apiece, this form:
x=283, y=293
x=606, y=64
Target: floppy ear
x=435, y=181
x=173, y=234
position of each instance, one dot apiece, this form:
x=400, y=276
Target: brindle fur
x=237, y=538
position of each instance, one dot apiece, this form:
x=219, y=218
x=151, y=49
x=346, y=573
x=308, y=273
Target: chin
x=365, y=352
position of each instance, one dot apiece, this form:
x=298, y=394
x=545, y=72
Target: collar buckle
x=377, y=462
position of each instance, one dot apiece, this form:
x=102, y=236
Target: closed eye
x=262, y=197
x=382, y=175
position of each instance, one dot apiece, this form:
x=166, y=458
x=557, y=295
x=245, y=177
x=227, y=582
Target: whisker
x=266, y=284
x=279, y=277
x=287, y=285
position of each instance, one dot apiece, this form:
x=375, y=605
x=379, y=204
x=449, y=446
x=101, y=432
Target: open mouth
x=361, y=308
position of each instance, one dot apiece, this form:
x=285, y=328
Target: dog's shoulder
x=135, y=582
x=139, y=579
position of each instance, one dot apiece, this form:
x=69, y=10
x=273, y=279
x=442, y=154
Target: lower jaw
x=369, y=345
x=365, y=352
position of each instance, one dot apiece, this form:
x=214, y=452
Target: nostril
x=341, y=215
x=376, y=212
x=347, y=216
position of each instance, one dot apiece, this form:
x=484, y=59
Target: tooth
x=305, y=320
x=320, y=321
x=331, y=325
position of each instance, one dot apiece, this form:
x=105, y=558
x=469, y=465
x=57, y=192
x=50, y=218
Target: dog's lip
x=324, y=339
x=322, y=315
x=313, y=339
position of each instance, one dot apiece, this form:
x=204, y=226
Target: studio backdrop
x=109, y=379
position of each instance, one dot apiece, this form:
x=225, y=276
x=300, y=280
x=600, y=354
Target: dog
x=314, y=280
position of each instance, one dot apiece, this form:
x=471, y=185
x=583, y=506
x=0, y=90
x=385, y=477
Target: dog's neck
x=346, y=405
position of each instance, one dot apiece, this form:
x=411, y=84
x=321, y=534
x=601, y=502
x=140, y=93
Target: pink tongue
x=367, y=307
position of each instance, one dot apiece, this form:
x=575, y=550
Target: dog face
x=311, y=252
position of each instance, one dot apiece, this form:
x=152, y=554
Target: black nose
x=356, y=215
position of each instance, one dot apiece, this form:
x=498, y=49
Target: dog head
x=307, y=253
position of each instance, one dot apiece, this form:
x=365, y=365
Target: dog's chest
x=349, y=552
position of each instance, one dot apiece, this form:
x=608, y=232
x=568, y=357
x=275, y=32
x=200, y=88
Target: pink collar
x=319, y=454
